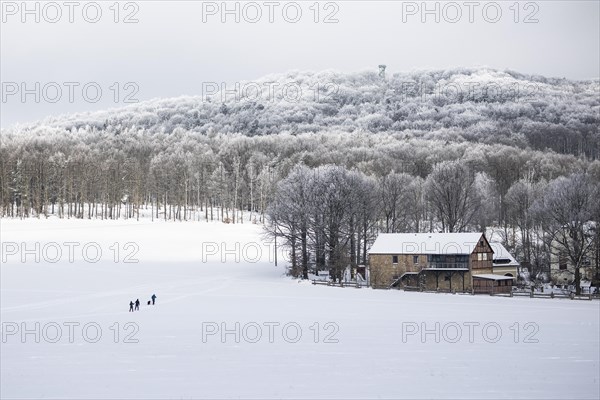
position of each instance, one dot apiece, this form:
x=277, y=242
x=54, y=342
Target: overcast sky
x=176, y=46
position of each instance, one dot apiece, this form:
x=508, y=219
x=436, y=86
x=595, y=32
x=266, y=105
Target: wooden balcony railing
x=447, y=266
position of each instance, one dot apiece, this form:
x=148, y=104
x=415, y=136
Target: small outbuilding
x=492, y=283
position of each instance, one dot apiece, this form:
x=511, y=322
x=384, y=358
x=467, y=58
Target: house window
x=586, y=262
x=479, y=257
x=562, y=261
x=415, y=259
x=484, y=256
x=394, y=259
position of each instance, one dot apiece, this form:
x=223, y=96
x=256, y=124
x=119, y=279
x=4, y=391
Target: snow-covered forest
x=332, y=159
x=475, y=105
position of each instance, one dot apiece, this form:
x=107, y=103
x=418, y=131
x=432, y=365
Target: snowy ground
x=367, y=345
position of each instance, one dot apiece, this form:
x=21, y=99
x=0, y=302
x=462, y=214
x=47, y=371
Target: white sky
x=171, y=51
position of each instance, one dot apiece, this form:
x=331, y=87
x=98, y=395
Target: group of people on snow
x=136, y=306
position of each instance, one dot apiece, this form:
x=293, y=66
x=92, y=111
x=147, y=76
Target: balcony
x=448, y=266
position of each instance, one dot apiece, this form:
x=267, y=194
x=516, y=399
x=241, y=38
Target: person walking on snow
x=153, y=298
x=137, y=305
x=131, y=306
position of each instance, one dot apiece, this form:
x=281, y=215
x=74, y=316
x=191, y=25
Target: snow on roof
x=425, y=243
x=500, y=253
x=493, y=277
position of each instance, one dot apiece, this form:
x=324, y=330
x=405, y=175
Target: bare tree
x=568, y=209
x=452, y=195
x=396, y=201
x=289, y=216
x=519, y=201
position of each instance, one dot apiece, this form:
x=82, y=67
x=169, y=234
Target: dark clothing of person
x=131, y=306
x=137, y=304
x=153, y=298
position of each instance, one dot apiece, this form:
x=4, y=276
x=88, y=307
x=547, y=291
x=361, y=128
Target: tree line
x=327, y=216
x=325, y=195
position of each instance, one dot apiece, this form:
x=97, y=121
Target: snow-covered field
x=294, y=339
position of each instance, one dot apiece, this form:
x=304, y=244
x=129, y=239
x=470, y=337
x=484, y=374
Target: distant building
x=462, y=262
x=562, y=271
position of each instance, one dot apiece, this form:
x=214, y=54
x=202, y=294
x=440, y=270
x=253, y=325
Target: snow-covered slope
x=360, y=351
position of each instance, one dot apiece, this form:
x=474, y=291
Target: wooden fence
x=552, y=295
x=527, y=293
x=339, y=284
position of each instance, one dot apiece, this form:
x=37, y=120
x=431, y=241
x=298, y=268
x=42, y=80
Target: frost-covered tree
x=396, y=201
x=567, y=210
x=452, y=195
x=289, y=216
x=519, y=201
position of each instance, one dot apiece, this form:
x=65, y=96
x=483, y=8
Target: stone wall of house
x=383, y=271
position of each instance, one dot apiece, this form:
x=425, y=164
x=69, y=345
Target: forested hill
x=478, y=105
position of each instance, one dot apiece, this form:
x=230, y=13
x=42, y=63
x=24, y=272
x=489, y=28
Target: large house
x=462, y=262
